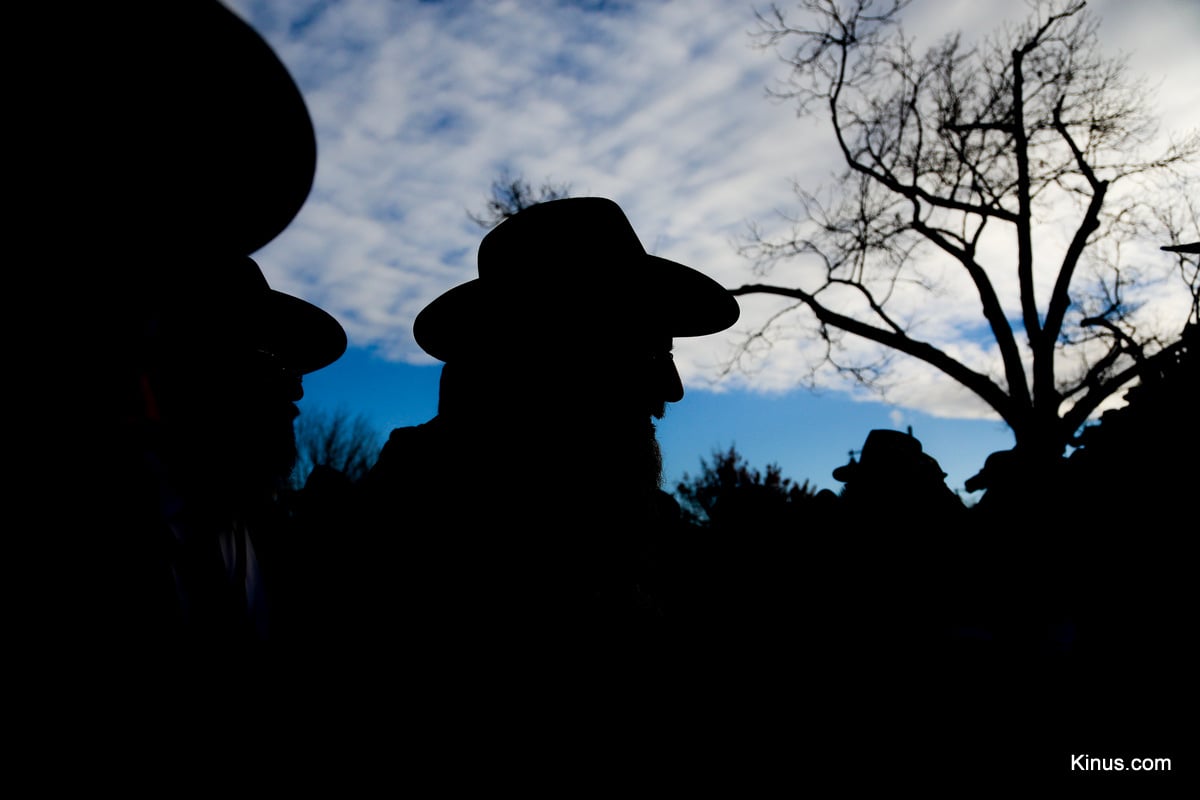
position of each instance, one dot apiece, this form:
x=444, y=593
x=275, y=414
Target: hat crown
x=184, y=119
x=884, y=444
x=533, y=248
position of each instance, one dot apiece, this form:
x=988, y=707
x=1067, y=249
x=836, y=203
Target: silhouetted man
x=899, y=526
x=220, y=375
x=524, y=517
x=172, y=144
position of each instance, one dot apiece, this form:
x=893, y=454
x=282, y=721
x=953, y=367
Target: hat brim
x=670, y=299
x=302, y=335
x=846, y=472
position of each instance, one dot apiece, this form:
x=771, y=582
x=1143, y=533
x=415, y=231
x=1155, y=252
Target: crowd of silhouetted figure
x=890, y=597
x=516, y=557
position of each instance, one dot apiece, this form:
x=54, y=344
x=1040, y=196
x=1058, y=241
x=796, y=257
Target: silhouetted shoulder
x=407, y=449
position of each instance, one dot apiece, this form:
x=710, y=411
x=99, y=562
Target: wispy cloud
x=660, y=105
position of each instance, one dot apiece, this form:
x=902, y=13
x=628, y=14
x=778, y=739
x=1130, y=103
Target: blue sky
x=661, y=106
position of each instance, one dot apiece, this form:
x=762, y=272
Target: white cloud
x=658, y=105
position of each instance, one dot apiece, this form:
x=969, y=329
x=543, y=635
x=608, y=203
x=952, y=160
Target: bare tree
x=979, y=159
x=510, y=194
x=340, y=440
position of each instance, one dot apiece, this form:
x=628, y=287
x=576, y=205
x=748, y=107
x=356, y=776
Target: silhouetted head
x=999, y=469
x=569, y=303
x=891, y=457
x=893, y=473
x=568, y=332
x=171, y=144
x=223, y=358
x=175, y=144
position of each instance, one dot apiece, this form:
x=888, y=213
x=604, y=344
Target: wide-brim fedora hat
x=571, y=267
x=170, y=123
x=233, y=308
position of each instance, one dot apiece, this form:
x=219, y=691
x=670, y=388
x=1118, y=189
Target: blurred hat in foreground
x=184, y=145
x=168, y=122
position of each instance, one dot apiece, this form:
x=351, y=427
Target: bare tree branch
x=1027, y=132
x=510, y=194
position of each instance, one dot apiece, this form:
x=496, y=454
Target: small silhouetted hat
x=889, y=453
x=997, y=467
x=568, y=267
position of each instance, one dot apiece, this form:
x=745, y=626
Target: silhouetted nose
x=670, y=382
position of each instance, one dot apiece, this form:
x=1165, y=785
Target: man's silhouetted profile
x=521, y=522
x=211, y=434
x=171, y=144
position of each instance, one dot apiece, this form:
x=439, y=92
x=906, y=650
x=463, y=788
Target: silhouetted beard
x=653, y=458
x=623, y=459
x=235, y=468
x=230, y=450
x=598, y=451
x=267, y=448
